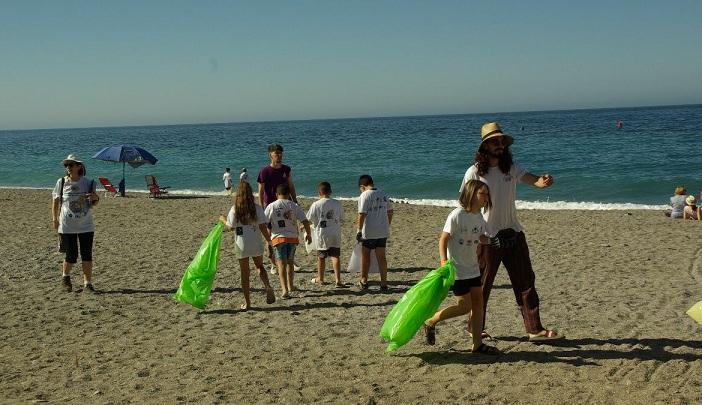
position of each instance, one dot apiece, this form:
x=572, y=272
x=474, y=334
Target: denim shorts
x=284, y=251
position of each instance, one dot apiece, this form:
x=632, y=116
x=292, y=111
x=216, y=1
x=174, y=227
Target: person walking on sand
x=465, y=228
x=249, y=223
x=283, y=215
x=326, y=216
x=495, y=167
x=73, y=198
x=227, y=178
x=374, y=219
x=270, y=177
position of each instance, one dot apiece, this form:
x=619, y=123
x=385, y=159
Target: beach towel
x=355, y=261
x=696, y=312
x=196, y=285
x=417, y=305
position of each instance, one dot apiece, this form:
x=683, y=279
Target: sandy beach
x=617, y=283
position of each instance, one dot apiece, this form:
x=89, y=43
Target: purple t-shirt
x=271, y=178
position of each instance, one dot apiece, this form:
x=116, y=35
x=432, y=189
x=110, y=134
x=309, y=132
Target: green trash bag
x=197, y=281
x=417, y=305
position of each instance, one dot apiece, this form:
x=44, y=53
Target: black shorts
x=331, y=252
x=462, y=287
x=71, y=241
x=374, y=243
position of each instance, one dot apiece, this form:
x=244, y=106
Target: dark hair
x=282, y=189
x=324, y=188
x=244, y=206
x=274, y=147
x=482, y=161
x=226, y=169
x=470, y=189
x=365, y=180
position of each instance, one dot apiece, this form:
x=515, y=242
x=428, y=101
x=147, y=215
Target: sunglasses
x=71, y=164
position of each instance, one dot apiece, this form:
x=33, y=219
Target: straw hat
x=690, y=200
x=72, y=158
x=493, y=130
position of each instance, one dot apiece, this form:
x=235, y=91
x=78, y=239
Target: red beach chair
x=109, y=188
x=155, y=191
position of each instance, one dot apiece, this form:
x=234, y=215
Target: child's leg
x=245, y=283
x=365, y=264
x=282, y=275
x=336, y=264
x=382, y=266
x=291, y=275
x=461, y=307
x=321, y=264
x=476, y=318
x=258, y=262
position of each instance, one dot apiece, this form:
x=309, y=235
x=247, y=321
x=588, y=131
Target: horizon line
x=349, y=118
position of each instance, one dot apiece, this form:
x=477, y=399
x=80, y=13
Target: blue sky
x=99, y=63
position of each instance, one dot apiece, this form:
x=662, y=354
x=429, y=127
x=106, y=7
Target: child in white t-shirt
x=465, y=228
x=249, y=223
x=326, y=216
x=282, y=215
x=374, y=218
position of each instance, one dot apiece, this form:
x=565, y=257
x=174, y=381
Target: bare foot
x=285, y=295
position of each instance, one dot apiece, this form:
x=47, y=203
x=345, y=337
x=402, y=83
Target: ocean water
x=415, y=159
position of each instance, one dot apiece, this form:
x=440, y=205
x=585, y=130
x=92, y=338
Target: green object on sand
x=197, y=281
x=417, y=305
x=695, y=312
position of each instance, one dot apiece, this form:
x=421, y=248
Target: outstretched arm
x=538, y=181
x=260, y=194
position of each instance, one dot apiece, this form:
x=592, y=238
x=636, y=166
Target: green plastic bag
x=197, y=281
x=417, y=305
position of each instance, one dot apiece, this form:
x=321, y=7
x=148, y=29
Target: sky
x=67, y=64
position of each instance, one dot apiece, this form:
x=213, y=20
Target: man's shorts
x=462, y=287
x=374, y=243
x=284, y=251
x=331, y=252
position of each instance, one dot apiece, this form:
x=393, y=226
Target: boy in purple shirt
x=273, y=175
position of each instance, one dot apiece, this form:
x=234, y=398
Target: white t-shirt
x=465, y=230
x=247, y=237
x=326, y=215
x=503, y=193
x=375, y=204
x=283, y=216
x=227, y=178
x=75, y=215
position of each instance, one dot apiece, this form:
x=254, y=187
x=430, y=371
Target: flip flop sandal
x=485, y=349
x=545, y=335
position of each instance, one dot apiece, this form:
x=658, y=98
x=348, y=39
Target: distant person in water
x=620, y=125
x=494, y=166
x=677, y=203
x=227, y=179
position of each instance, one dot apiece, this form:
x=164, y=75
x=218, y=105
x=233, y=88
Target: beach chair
x=155, y=191
x=109, y=188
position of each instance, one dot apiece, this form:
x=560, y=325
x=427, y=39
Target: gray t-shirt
x=678, y=204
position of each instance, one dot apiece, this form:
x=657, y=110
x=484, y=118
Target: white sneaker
x=296, y=267
x=273, y=270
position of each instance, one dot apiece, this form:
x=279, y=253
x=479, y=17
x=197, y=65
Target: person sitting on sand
x=465, y=228
x=326, y=216
x=282, y=215
x=677, y=202
x=495, y=167
x=374, y=218
x=691, y=211
x=249, y=223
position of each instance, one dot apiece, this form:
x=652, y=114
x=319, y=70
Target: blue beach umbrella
x=131, y=154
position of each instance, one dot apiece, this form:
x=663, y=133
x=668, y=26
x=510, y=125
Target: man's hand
x=544, y=181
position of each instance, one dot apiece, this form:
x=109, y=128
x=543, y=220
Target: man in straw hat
x=495, y=167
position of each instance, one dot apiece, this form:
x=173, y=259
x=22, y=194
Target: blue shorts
x=284, y=251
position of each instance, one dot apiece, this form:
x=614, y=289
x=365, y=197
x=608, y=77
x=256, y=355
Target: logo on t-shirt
x=508, y=178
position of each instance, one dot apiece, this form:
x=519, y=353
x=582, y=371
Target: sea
x=596, y=163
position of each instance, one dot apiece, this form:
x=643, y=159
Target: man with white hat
x=494, y=166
